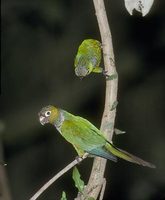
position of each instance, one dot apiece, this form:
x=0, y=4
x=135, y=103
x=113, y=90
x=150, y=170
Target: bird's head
x=48, y=114
x=81, y=71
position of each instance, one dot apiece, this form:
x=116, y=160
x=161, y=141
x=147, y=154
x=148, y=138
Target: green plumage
x=88, y=58
x=84, y=136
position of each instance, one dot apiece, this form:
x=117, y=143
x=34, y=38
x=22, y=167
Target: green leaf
x=111, y=77
x=91, y=198
x=79, y=183
x=114, y=105
x=63, y=196
x=118, y=131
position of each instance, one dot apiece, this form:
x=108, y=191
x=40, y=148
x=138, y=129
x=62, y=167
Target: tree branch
x=107, y=125
x=57, y=176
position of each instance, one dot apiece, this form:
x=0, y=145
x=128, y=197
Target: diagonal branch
x=107, y=125
x=57, y=176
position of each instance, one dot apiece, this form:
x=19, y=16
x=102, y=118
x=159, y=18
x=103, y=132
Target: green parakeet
x=84, y=136
x=88, y=58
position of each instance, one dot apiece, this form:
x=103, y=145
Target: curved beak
x=42, y=119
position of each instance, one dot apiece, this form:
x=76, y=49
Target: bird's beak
x=42, y=119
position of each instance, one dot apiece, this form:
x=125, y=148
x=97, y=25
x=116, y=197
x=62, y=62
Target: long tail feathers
x=127, y=156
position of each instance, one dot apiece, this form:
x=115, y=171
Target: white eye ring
x=47, y=113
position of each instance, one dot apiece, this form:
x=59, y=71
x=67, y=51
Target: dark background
x=39, y=43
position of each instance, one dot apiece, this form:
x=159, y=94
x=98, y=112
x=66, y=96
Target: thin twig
x=103, y=189
x=57, y=176
x=107, y=125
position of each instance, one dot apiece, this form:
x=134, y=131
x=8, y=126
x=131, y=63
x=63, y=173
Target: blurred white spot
x=142, y=6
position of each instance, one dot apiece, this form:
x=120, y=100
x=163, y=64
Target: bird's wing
x=85, y=136
x=82, y=60
x=102, y=152
x=81, y=133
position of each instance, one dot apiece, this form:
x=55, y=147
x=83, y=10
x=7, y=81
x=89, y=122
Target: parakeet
x=88, y=58
x=84, y=136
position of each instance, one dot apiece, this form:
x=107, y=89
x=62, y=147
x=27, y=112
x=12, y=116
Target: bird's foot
x=104, y=72
x=80, y=158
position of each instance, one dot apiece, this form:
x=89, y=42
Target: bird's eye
x=47, y=113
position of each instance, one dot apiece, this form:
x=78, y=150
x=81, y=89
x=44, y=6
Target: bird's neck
x=59, y=121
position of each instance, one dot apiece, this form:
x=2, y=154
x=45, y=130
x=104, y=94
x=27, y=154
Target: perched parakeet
x=88, y=58
x=84, y=136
